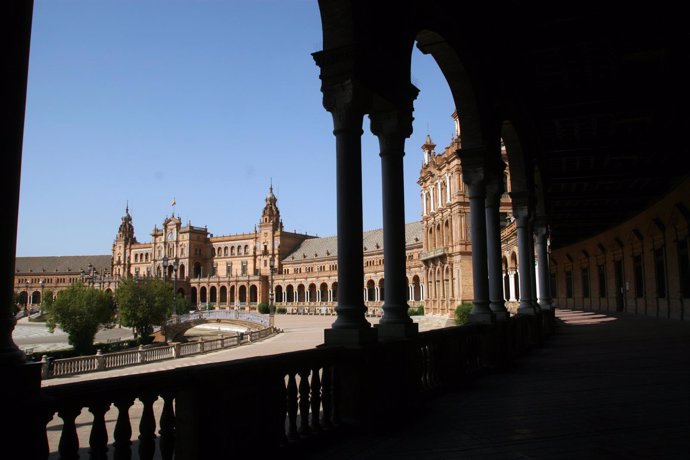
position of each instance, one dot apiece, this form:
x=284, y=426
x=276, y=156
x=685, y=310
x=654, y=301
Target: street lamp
x=26, y=305
x=43, y=285
x=165, y=267
x=176, y=264
x=272, y=265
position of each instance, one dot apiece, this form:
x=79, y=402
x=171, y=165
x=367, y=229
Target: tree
x=47, y=300
x=143, y=304
x=80, y=311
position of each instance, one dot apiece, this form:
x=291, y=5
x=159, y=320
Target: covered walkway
x=604, y=386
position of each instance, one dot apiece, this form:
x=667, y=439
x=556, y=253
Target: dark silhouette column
x=392, y=128
x=351, y=327
x=473, y=175
x=494, y=189
x=541, y=244
x=525, y=262
x=533, y=264
x=22, y=425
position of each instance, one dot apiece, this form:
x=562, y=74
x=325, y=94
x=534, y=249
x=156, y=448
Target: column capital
x=347, y=102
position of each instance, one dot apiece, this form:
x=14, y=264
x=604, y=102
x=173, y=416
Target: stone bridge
x=179, y=324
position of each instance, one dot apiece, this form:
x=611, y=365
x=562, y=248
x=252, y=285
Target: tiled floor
x=604, y=387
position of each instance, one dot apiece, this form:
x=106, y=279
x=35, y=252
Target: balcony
x=438, y=252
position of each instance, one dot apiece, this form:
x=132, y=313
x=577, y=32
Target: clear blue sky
x=201, y=100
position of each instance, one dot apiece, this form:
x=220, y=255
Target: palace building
x=236, y=271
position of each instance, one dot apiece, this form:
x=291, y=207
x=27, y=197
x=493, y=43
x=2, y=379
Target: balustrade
x=293, y=396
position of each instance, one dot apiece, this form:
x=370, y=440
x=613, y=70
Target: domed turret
x=428, y=149
x=271, y=214
x=126, y=230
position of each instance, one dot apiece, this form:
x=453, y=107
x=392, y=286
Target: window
x=660, y=272
x=601, y=269
x=639, y=276
x=244, y=268
x=569, y=284
x=585, y=282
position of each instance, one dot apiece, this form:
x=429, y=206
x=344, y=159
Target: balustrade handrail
x=102, y=362
x=292, y=396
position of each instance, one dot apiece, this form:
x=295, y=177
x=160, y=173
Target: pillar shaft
x=392, y=128
x=533, y=273
x=541, y=245
x=526, y=264
x=473, y=174
x=494, y=259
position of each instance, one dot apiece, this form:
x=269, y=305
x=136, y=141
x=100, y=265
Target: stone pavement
x=604, y=387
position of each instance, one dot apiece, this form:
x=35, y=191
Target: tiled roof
x=61, y=264
x=315, y=248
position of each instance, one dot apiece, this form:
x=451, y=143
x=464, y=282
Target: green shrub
x=462, y=313
x=281, y=310
x=418, y=311
x=264, y=309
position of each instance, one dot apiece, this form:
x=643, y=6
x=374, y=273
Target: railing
x=102, y=362
x=220, y=315
x=293, y=397
x=433, y=253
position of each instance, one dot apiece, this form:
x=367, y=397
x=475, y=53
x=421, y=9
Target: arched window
x=218, y=252
x=212, y=295
x=246, y=249
x=253, y=297
x=232, y=250
x=223, y=295
x=225, y=251
x=202, y=295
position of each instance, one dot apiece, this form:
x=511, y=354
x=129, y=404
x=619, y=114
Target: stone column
x=392, y=127
x=511, y=286
x=542, y=235
x=533, y=266
x=494, y=189
x=526, y=264
x=472, y=161
x=350, y=326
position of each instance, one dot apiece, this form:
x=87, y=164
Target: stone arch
x=242, y=295
x=197, y=270
x=447, y=235
x=180, y=292
x=416, y=288
x=36, y=297
x=223, y=297
x=300, y=293
x=181, y=271
x=23, y=298
x=213, y=295
x=193, y=296
x=334, y=290
x=202, y=294
x=312, y=292
x=290, y=293
x=253, y=294
x=323, y=292
x=381, y=290
x=278, y=293
x=231, y=298
x=371, y=291
x=439, y=236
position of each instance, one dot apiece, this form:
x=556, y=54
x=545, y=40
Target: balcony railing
x=283, y=401
x=433, y=253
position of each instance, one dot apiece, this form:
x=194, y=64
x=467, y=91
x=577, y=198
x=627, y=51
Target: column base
x=397, y=331
x=485, y=317
x=499, y=310
x=526, y=309
x=350, y=337
x=546, y=305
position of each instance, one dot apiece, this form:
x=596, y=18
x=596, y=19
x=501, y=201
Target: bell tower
x=122, y=246
x=269, y=230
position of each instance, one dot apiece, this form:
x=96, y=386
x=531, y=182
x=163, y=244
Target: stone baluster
x=292, y=407
x=315, y=400
x=68, y=446
x=167, y=427
x=304, y=404
x=327, y=397
x=98, y=440
x=123, y=430
x=147, y=428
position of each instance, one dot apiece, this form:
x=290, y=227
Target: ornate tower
x=268, y=233
x=122, y=246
